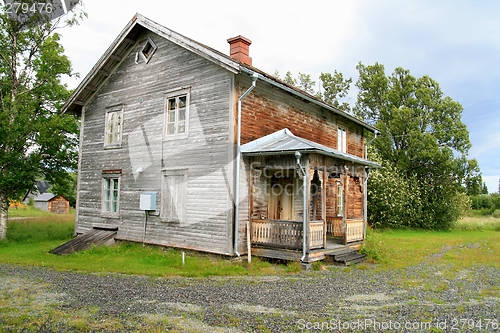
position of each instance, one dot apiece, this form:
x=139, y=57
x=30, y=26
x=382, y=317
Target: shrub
x=393, y=200
x=482, y=201
x=495, y=199
x=496, y=213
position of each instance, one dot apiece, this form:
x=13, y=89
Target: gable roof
x=45, y=197
x=285, y=142
x=122, y=46
x=128, y=38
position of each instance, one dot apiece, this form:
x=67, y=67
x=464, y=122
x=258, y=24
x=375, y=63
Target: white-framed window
x=176, y=113
x=341, y=140
x=148, y=49
x=340, y=200
x=113, y=126
x=174, y=195
x=110, y=202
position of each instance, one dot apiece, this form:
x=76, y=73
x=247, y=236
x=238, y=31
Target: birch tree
x=35, y=139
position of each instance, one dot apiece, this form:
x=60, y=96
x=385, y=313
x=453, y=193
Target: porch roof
x=284, y=142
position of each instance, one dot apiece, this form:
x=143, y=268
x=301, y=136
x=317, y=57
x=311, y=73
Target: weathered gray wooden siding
x=206, y=154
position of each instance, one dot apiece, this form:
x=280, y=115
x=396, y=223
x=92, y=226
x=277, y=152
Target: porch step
x=96, y=236
x=349, y=258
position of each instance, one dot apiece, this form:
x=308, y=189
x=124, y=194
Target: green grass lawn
x=475, y=241
x=29, y=241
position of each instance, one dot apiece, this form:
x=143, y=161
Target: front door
x=280, y=204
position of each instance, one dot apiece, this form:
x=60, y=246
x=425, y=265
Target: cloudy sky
x=456, y=42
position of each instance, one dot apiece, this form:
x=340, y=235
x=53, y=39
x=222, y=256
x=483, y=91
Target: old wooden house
x=163, y=121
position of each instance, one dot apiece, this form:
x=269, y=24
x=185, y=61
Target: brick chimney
x=238, y=49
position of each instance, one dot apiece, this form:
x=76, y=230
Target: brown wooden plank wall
x=267, y=110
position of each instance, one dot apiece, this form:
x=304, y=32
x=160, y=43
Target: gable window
x=341, y=140
x=148, y=50
x=110, y=193
x=174, y=194
x=113, y=126
x=176, y=113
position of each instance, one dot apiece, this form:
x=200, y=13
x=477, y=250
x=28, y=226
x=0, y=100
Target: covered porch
x=306, y=201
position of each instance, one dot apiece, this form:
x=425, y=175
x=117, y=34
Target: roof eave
x=312, y=99
x=315, y=151
x=210, y=54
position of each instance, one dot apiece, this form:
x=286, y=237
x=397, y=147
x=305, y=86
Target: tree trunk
x=4, y=211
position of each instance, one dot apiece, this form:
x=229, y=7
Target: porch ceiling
x=285, y=142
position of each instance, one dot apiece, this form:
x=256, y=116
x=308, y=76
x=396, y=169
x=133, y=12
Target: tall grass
x=29, y=242
x=30, y=211
x=474, y=241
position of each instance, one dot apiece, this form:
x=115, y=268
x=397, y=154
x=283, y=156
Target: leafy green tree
x=470, y=176
x=421, y=133
x=289, y=79
x=306, y=83
x=66, y=188
x=335, y=88
x=35, y=139
x=484, y=189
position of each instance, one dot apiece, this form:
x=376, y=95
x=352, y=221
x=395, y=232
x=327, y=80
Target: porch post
x=250, y=215
x=306, y=207
x=323, y=201
x=346, y=202
x=365, y=202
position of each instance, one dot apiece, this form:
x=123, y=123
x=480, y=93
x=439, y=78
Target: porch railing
x=316, y=234
x=354, y=230
x=285, y=234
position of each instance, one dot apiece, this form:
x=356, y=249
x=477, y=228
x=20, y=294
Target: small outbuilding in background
x=50, y=202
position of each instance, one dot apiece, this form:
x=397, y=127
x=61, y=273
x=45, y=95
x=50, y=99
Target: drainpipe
x=255, y=76
x=305, y=212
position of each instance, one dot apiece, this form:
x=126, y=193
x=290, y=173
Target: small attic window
x=148, y=50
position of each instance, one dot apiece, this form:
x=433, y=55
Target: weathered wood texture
x=286, y=234
x=355, y=202
x=267, y=110
x=85, y=241
x=58, y=205
x=206, y=153
x=354, y=230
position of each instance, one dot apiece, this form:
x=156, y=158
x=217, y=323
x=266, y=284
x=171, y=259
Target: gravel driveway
x=421, y=298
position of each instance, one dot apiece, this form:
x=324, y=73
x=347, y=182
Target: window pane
x=171, y=116
x=118, y=128
x=182, y=127
x=109, y=138
x=171, y=128
x=182, y=102
x=182, y=114
x=171, y=104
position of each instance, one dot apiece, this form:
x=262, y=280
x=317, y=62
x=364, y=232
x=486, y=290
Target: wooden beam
x=91, y=88
x=79, y=103
x=115, y=57
x=103, y=72
x=129, y=41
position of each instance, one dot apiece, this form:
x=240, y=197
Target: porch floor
x=334, y=246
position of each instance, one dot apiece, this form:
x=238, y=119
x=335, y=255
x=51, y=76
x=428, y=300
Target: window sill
x=175, y=137
x=113, y=146
x=110, y=215
x=173, y=221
